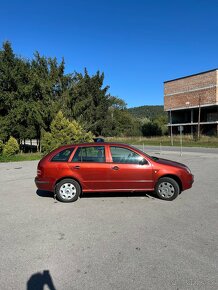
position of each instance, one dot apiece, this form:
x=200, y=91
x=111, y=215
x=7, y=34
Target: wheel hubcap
x=166, y=189
x=67, y=191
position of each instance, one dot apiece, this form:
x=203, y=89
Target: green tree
x=8, y=88
x=1, y=146
x=64, y=132
x=161, y=121
x=151, y=129
x=46, y=86
x=89, y=101
x=121, y=123
x=30, y=93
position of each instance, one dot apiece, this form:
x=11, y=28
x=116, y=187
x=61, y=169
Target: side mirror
x=143, y=162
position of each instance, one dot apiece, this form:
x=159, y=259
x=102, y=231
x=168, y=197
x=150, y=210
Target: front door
x=129, y=170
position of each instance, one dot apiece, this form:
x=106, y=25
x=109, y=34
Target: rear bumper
x=43, y=184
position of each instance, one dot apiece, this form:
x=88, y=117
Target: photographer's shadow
x=38, y=280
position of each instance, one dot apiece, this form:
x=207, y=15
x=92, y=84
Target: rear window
x=63, y=156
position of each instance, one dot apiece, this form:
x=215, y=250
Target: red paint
x=109, y=175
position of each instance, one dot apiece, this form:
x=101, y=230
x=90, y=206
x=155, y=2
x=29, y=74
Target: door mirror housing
x=143, y=161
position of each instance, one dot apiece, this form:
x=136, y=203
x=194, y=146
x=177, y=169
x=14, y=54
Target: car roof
x=96, y=144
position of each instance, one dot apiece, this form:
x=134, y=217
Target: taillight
x=39, y=172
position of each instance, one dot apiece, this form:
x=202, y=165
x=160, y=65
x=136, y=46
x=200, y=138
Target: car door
x=129, y=170
x=90, y=167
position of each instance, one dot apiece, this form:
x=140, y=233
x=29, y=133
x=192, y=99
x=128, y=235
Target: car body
x=109, y=167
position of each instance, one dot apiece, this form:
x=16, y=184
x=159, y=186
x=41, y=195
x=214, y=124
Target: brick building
x=192, y=103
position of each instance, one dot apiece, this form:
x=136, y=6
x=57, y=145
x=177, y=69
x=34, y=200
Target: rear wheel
x=67, y=190
x=167, y=188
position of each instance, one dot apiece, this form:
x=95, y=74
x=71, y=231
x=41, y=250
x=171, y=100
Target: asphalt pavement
x=109, y=241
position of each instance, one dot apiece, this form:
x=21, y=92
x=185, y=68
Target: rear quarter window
x=62, y=156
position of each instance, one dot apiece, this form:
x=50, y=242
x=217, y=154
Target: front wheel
x=67, y=190
x=167, y=188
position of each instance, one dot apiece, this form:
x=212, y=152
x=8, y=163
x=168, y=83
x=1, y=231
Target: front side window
x=124, y=155
x=62, y=156
x=90, y=154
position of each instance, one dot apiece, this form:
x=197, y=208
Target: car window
x=62, y=156
x=90, y=154
x=124, y=155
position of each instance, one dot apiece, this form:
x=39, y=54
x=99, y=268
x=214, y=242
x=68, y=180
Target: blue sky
x=137, y=44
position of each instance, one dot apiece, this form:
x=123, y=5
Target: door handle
x=115, y=168
x=76, y=167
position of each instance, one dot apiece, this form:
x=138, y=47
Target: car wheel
x=167, y=188
x=67, y=190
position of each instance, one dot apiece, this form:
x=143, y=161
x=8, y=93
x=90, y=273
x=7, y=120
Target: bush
x=11, y=147
x=1, y=146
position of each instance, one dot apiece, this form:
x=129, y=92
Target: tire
x=67, y=190
x=167, y=188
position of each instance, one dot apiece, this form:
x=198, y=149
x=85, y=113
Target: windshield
x=154, y=158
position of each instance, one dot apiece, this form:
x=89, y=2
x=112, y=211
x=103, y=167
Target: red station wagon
x=109, y=167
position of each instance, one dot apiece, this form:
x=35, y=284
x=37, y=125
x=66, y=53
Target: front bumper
x=189, y=180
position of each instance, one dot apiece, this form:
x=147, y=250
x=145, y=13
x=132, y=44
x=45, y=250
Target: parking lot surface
x=109, y=241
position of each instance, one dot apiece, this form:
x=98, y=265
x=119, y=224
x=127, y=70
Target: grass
x=21, y=157
x=187, y=141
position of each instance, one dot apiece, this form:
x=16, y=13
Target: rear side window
x=90, y=154
x=63, y=156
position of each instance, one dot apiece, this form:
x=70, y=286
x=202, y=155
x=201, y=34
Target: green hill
x=149, y=112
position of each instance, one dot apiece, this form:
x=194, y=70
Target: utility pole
x=199, y=116
x=171, y=128
x=180, y=130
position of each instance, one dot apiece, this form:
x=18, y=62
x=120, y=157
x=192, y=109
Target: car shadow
x=43, y=193
x=149, y=194
x=117, y=194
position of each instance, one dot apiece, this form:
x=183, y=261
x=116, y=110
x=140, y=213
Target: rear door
x=89, y=165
